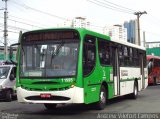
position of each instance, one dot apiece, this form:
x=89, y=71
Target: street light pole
x=5, y=31
x=138, y=25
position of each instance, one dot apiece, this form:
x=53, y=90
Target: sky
x=36, y=14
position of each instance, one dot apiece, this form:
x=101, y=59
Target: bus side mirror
x=11, y=52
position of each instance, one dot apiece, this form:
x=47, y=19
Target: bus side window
x=104, y=52
x=121, y=55
x=135, y=57
x=126, y=56
x=89, y=55
x=130, y=57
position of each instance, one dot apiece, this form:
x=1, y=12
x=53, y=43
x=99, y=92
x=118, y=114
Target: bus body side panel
x=91, y=88
x=93, y=82
x=127, y=78
x=108, y=78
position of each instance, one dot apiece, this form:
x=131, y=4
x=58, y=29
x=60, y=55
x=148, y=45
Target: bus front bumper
x=72, y=95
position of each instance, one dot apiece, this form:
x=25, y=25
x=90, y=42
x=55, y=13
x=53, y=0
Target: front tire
x=102, y=99
x=50, y=106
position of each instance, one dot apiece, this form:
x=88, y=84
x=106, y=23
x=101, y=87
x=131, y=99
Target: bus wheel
x=8, y=96
x=135, y=91
x=50, y=106
x=102, y=99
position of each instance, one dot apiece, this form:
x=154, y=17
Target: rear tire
x=102, y=99
x=135, y=91
x=50, y=106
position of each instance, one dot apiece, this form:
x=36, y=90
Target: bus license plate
x=46, y=95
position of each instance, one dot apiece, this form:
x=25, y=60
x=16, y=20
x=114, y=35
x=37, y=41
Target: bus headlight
x=72, y=86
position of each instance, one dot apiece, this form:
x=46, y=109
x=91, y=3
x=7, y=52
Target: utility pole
x=5, y=31
x=138, y=25
x=144, y=39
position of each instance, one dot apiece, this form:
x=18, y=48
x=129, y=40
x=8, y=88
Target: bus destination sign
x=53, y=35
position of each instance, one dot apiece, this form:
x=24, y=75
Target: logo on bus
x=124, y=72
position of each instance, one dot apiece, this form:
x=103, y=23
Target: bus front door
x=116, y=76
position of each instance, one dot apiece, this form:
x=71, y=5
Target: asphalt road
x=148, y=101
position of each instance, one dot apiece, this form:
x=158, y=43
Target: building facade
x=80, y=22
x=77, y=22
x=116, y=32
x=132, y=32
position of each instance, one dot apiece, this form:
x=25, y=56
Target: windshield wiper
x=57, y=51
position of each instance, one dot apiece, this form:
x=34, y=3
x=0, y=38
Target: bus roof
x=89, y=32
x=149, y=57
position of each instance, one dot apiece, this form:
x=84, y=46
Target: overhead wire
x=16, y=28
x=28, y=20
x=33, y=9
x=115, y=7
x=105, y=5
x=120, y=6
x=22, y=22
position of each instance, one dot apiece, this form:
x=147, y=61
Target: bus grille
x=55, y=98
x=49, y=89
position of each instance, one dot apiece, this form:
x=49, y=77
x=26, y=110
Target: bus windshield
x=4, y=72
x=57, y=58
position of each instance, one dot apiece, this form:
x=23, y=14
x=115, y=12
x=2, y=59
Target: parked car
x=7, y=81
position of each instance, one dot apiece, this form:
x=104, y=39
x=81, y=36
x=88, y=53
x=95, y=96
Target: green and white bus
x=74, y=65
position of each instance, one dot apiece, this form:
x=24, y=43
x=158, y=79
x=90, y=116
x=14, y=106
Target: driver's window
x=89, y=55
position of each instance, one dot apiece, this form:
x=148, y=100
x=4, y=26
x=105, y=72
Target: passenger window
x=126, y=56
x=121, y=55
x=131, y=57
x=89, y=55
x=135, y=57
x=104, y=52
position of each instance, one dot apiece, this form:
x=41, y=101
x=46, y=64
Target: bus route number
x=67, y=80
